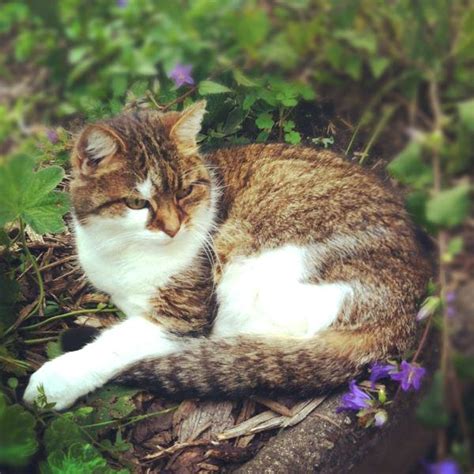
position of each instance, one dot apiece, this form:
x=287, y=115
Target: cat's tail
x=211, y=367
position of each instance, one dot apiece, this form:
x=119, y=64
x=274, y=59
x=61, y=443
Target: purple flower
x=447, y=466
x=409, y=375
x=450, y=297
x=52, y=136
x=450, y=311
x=181, y=74
x=122, y=3
x=380, y=418
x=380, y=371
x=355, y=399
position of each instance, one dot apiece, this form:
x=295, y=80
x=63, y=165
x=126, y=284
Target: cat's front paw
x=61, y=380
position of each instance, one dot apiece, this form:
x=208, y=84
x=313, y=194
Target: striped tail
x=211, y=368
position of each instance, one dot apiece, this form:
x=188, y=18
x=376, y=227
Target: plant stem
x=445, y=365
x=40, y=340
x=39, y=279
x=387, y=113
x=132, y=419
x=67, y=315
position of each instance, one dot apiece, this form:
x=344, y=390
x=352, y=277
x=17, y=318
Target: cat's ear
x=184, y=131
x=96, y=149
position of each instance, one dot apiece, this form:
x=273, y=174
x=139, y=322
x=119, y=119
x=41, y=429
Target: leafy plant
x=17, y=435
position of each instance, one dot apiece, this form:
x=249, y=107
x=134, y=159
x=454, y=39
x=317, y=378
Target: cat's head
x=141, y=174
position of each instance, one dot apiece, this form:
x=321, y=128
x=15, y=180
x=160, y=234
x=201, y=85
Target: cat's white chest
x=130, y=270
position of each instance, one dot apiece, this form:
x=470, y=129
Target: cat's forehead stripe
x=145, y=188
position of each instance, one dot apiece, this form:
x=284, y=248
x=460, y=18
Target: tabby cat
x=265, y=268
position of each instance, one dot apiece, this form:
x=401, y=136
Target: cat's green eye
x=136, y=203
x=182, y=193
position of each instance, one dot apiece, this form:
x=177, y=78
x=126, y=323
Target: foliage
x=17, y=437
x=266, y=71
x=30, y=196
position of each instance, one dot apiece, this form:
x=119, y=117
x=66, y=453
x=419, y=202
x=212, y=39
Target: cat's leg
x=267, y=294
x=77, y=373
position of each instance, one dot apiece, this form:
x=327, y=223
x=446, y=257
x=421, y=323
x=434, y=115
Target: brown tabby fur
x=271, y=195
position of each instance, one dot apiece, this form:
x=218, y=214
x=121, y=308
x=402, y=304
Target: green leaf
x=211, y=87
x=432, y=411
x=53, y=349
x=111, y=402
x=454, y=247
x=466, y=113
x=17, y=434
x=29, y=195
x=233, y=121
x=293, y=137
x=264, y=121
x=242, y=79
x=409, y=168
x=378, y=66
x=358, y=40
x=78, y=458
x=62, y=433
x=449, y=208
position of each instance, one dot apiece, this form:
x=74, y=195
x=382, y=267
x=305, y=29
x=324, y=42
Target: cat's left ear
x=96, y=150
x=185, y=130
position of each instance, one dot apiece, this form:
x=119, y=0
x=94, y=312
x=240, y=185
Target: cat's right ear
x=97, y=150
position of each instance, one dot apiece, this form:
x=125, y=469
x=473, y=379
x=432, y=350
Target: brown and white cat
x=256, y=269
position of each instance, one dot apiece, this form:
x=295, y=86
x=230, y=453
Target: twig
x=39, y=340
x=67, y=315
x=39, y=279
x=388, y=112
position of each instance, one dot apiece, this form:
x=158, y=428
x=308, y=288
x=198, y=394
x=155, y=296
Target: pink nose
x=171, y=231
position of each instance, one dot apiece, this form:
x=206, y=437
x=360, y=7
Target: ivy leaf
x=211, y=87
x=29, y=195
x=449, y=208
x=17, y=434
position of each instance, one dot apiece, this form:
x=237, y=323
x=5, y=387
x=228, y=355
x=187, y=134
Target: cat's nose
x=171, y=230
x=166, y=218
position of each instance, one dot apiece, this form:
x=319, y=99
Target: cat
x=259, y=269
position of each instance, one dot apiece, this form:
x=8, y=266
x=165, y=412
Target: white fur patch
x=77, y=373
x=266, y=294
x=121, y=257
x=145, y=188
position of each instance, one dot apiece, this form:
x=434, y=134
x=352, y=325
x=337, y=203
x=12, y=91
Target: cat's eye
x=136, y=203
x=182, y=193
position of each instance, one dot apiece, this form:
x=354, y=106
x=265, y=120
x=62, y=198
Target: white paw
x=63, y=381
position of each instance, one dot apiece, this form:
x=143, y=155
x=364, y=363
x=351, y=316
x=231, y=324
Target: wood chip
x=269, y=420
x=206, y=420
x=274, y=406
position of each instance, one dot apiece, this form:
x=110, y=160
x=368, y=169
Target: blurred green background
x=381, y=81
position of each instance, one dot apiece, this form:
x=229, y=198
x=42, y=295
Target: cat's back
x=299, y=192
